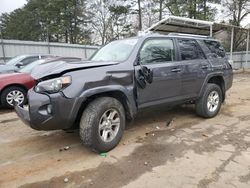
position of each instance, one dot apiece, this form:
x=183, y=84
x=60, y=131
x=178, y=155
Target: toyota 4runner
x=124, y=77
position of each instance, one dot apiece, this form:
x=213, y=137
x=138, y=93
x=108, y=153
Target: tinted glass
x=189, y=49
x=215, y=48
x=157, y=51
x=115, y=51
x=28, y=60
x=47, y=56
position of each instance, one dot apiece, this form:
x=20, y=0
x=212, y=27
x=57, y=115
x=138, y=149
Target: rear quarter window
x=29, y=60
x=215, y=48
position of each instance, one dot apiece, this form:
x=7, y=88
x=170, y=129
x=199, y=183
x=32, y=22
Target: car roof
x=178, y=35
x=30, y=55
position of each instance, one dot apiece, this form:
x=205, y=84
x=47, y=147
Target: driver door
x=159, y=55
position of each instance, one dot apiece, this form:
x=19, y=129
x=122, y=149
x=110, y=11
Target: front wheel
x=102, y=124
x=209, y=104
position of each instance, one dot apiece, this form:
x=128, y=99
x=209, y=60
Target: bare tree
x=101, y=19
x=150, y=13
x=237, y=11
x=110, y=20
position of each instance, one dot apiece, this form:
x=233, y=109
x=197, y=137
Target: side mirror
x=20, y=64
x=144, y=76
x=148, y=74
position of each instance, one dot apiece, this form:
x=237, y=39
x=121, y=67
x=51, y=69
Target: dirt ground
x=161, y=148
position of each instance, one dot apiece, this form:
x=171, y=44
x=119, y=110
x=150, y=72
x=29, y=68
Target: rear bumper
x=48, y=112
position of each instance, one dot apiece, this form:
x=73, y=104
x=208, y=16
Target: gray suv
x=124, y=77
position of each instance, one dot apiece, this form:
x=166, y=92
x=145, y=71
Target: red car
x=14, y=86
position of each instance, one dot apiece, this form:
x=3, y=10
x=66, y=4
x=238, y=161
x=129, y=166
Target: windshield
x=115, y=51
x=29, y=67
x=15, y=60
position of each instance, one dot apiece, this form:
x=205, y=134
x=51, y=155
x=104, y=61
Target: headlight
x=53, y=85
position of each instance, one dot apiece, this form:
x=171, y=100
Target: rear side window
x=28, y=60
x=157, y=51
x=190, y=49
x=215, y=48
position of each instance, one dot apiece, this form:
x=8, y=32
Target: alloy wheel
x=109, y=125
x=213, y=101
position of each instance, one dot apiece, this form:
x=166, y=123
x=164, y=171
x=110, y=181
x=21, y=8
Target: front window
x=115, y=51
x=157, y=51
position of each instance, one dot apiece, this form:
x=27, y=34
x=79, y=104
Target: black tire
x=89, y=124
x=6, y=91
x=201, y=105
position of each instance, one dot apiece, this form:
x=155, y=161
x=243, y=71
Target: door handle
x=176, y=70
x=204, y=66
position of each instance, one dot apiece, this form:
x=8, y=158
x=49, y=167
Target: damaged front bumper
x=23, y=114
x=48, y=111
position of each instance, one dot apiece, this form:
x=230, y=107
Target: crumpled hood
x=61, y=67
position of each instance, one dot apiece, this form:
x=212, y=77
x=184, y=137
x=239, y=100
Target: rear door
x=159, y=55
x=194, y=65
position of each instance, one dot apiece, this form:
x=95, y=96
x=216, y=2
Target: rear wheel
x=209, y=104
x=11, y=94
x=102, y=124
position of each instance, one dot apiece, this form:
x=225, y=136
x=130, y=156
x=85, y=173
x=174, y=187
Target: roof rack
x=193, y=26
x=190, y=35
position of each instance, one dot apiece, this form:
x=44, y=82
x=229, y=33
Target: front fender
x=106, y=91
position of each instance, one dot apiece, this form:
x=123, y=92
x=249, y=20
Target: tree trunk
x=205, y=9
x=66, y=36
x=139, y=15
x=194, y=10
x=190, y=9
x=103, y=35
x=160, y=10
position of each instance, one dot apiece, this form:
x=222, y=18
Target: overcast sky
x=10, y=5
